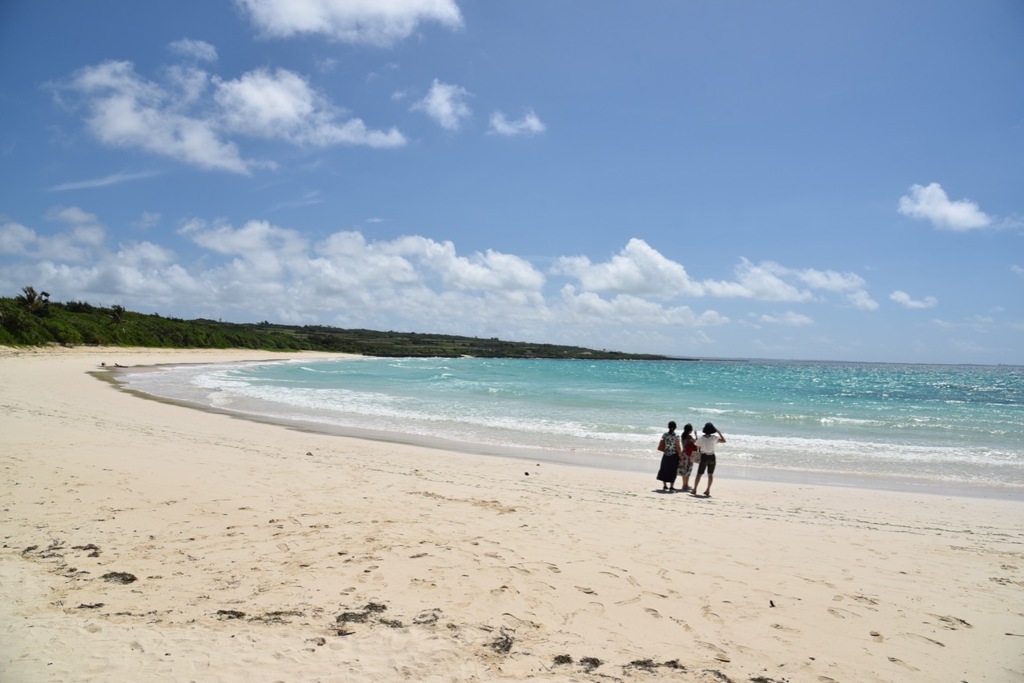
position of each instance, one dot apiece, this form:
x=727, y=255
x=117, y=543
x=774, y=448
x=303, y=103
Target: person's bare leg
x=711, y=478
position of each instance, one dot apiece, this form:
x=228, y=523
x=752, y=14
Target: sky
x=792, y=179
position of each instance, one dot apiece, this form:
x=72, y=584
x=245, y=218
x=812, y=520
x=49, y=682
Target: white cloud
x=931, y=203
x=789, y=318
x=445, y=104
x=529, y=124
x=376, y=22
x=590, y=308
x=189, y=85
x=861, y=300
x=72, y=215
x=260, y=270
x=199, y=50
x=15, y=238
x=830, y=280
x=148, y=220
x=905, y=300
x=113, y=179
x=182, y=120
x=1016, y=270
x=283, y=104
x=490, y=271
x=262, y=251
x=127, y=111
x=637, y=270
x=765, y=282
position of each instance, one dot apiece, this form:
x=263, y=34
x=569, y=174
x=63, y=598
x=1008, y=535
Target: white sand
x=251, y=543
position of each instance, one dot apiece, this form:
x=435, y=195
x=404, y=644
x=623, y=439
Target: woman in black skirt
x=670, y=447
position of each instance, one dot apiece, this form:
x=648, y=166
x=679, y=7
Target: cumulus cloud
x=198, y=50
x=73, y=215
x=581, y=307
x=445, y=104
x=828, y=280
x=931, y=203
x=489, y=271
x=637, y=270
x=905, y=300
x=127, y=111
x=282, y=104
x=766, y=281
x=381, y=22
x=771, y=281
x=260, y=251
x=861, y=300
x=529, y=124
x=640, y=270
x=194, y=117
x=15, y=238
x=261, y=270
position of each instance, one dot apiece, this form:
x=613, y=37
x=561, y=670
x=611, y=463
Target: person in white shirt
x=706, y=443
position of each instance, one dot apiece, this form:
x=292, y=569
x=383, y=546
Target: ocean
x=892, y=426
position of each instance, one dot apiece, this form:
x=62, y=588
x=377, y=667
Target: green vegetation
x=31, y=319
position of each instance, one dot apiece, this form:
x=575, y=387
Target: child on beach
x=706, y=443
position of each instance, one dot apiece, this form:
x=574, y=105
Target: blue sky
x=789, y=179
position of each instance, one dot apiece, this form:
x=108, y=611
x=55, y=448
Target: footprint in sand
x=653, y=612
x=926, y=639
x=876, y=636
x=865, y=599
x=841, y=613
x=584, y=589
x=951, y=623
x=894, y=660
x=708, y=614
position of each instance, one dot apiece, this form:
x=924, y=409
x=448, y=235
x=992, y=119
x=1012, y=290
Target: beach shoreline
x=576, y=456
x=300, y=555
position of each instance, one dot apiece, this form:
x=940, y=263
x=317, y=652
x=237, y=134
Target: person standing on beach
x=670, y=447
x=706, y=443
x=686, y=459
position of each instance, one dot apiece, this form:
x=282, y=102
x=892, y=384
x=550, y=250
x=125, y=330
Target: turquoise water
x=933, y=425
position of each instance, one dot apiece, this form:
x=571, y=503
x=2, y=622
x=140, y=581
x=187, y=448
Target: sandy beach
x=148, y=541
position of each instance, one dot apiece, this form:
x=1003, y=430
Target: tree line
x=32, y=319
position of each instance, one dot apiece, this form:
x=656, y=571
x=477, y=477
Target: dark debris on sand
x=123, y=578
x=230, y=614
x=503, y=643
